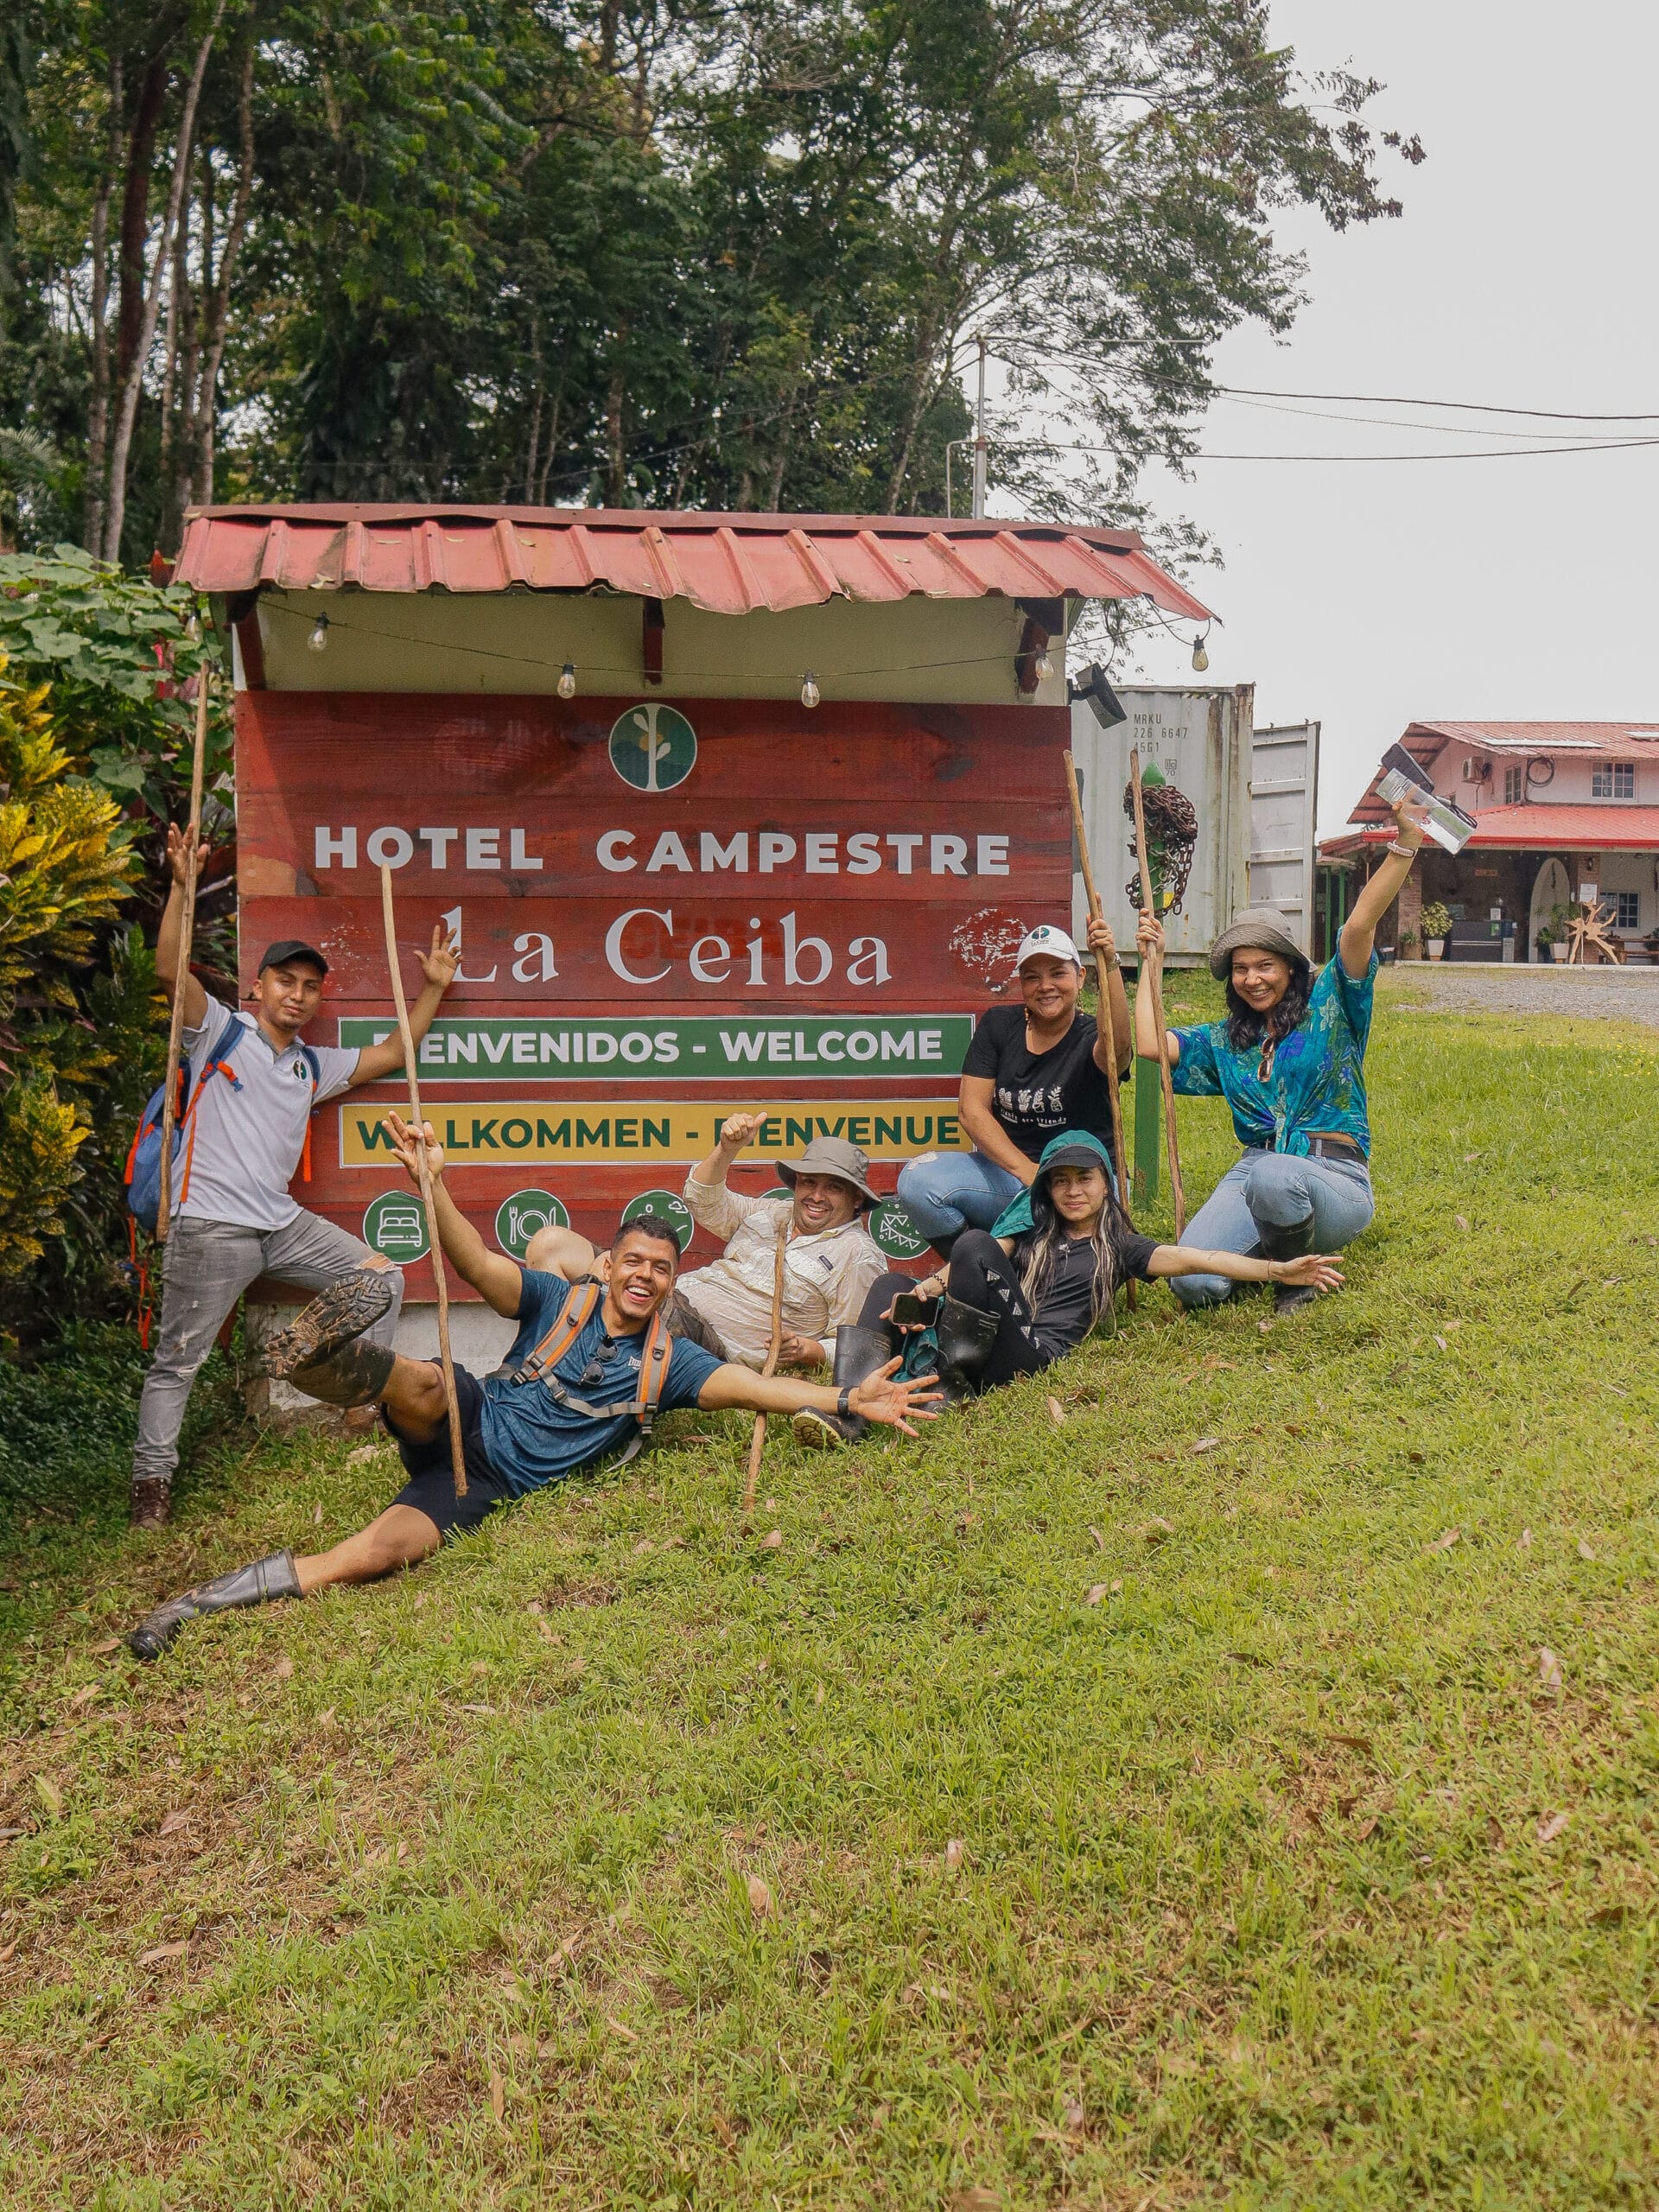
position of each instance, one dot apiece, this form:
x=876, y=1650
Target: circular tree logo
x=653, y=748
x=670, y=1205
x=895, y=1232
x=520, y=1217
x=395, y=1224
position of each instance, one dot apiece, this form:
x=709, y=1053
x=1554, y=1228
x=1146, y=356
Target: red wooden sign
x=668, y=912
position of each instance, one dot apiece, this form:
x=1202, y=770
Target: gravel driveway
x=1604, y=994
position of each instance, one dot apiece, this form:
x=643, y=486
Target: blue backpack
x=144, y=1159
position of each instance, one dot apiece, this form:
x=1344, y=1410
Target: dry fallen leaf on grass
x=760, y=1897
x=1205, y=1444
x=1584, y=1551
x=1526, y=1540
x=284, y=1669
x=1367, y=1827
x=50, y=1795
x=1074, y=2114
x=642, y=1548
x=162, y=1953
x=363, y=1452
x=317, y=1517
x=817, y=1695
x=175, y=1820
x=619, y=2027
x=1440, y=1340
x=723, y=2128
x=976, y=2200
x=1100, y=1540
x=1551, y=1827
x=1549, y=1669
x=1056, y=1412
x=498, y=2094
x=103, y=1650
x=1445, y=1540
x=953, y=1854
x=774, y=1542
x=1462, y=1221
x=1101, y=1590
x=1156, y=1529
x=85, y=1696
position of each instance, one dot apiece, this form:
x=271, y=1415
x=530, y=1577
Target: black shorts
x=431, y=1485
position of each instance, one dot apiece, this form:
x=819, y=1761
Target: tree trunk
x=616, y=478
x=97, y=404
x=131, y=386
x=135, y=206
x=216, y=310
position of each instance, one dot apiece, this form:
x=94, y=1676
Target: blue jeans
x=944, y=1193
x=1275, y=1190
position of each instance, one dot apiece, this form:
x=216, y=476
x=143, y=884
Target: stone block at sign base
x=479, y=1339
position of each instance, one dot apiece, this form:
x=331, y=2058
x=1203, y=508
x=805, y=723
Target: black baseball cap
x=288, y=949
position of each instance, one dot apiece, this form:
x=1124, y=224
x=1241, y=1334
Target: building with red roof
x=1559, y=808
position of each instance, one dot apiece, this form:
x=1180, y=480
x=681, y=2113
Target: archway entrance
x=1550, y=888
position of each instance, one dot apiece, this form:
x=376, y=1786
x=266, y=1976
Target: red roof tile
x=1589, y=828
x=726, y=563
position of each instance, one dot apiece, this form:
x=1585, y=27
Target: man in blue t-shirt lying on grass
x=567, y=1396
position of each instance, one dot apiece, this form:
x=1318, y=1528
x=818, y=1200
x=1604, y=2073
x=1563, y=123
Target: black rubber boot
x=265, y=1581
x=966, y=1336
x=355, y=1375
x=859, y=1353
x=1288, y=1245
x=333, y=1317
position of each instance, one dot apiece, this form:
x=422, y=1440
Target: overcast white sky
x=1522, y=271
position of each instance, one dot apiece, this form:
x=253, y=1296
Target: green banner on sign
x=692, y=1047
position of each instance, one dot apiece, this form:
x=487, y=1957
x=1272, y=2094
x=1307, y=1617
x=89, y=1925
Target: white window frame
x=1619, y=922
x=1606, y=777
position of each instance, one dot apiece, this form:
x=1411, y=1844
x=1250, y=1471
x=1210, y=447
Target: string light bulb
x=1043, y=667
x=319, y=637
x=568, y=680
x=810, y=693
x=1200, y=659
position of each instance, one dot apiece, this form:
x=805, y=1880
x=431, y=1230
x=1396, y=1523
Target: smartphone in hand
x=910, y=1312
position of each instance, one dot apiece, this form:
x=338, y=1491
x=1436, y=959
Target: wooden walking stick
x=181, y=980
x=1100, y=976
x=1149, y=894
x=758, y=1441
x=457, y=1453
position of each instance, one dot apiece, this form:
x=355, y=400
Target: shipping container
x=1256, y=791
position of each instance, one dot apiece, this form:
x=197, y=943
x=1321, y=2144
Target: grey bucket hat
x=833, y=1156
x=1258, y=929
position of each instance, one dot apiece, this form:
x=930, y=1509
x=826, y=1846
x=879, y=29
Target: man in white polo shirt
x=232, y=1218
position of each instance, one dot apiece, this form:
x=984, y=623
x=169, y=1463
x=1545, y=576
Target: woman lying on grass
x=1014, y=1299
x=1290, y=1061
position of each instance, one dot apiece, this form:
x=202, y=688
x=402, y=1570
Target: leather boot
x=355, y=1375
x=859, y=1353
x=152, y=1498
x=333, y=1317
x=256, y=1584
x=966, y=1335
x=1288, y=1245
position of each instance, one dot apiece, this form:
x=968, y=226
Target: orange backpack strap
x=572, y=1319
x=653, y=1375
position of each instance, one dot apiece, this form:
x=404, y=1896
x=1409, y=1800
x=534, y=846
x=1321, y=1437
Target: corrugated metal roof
x=725, y=563
x=1632, y=741
x=1609, y=828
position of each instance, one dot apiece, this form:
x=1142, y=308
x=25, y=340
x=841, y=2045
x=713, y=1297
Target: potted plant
x=1406, y=944
x=1559, y=916
x=1437, y=927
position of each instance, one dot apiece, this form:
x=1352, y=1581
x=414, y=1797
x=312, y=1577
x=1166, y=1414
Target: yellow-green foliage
x=64, y=868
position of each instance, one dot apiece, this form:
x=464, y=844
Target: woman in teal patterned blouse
x=1290, y=1061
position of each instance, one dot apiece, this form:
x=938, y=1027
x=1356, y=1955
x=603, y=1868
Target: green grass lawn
x=1161, y=1804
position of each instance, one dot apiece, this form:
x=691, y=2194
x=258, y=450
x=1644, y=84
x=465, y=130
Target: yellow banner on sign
x=519, y=1131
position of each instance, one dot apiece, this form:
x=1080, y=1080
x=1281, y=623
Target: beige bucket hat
x=833, y=1156
x=1258, y=929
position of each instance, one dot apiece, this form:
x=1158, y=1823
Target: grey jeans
x=206, y=1267
x=1275, y=1190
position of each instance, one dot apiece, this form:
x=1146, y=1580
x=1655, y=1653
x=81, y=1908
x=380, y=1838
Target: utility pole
x=980, y=447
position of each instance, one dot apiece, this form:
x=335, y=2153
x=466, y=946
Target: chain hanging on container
x=1172, y=834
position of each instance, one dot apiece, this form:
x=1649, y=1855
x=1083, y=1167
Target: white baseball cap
x=1047, y=939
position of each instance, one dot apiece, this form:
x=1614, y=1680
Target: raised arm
x=439, y=967
x=976, y=1111
x=1102, y=941
x=1359, y=931
x=1149, y=944
x=497, y=1280
x=167, y=939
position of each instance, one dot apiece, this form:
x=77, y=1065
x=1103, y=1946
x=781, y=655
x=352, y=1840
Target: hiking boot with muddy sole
x=151, y=1502
x=334, y=1316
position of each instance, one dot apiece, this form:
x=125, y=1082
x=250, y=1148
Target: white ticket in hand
x=1403, y=777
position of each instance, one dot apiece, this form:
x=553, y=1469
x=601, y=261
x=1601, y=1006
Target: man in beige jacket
x=829, y=1261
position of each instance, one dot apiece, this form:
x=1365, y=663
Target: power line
x=1487, y=453
x=1463, y=406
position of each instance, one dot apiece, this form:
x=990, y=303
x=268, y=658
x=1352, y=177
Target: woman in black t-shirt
x=1012, y=1305
x=1030, y=1071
